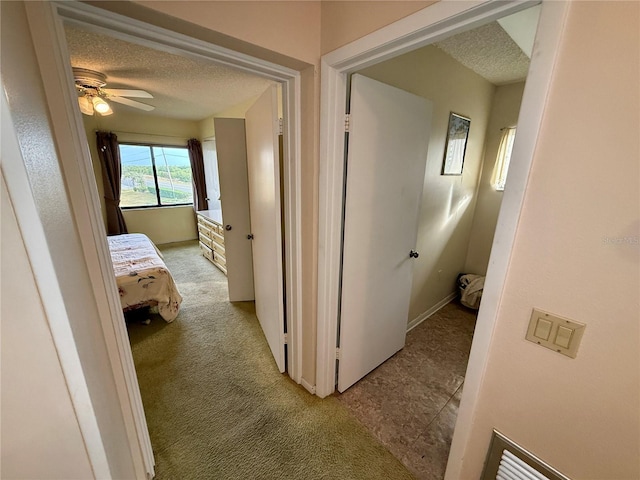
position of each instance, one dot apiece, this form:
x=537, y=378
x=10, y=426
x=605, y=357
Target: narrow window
x=155, y=176
x=504, y=157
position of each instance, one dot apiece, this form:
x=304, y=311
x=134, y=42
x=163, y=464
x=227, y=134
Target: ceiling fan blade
x=123, y=92
x=132, y=103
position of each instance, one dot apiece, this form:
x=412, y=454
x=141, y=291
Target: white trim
x=310, y=388
x=423, y=316
x=34, y=238
x=70, y=136
x=152, y=36
x=330, y=196
x=422, y=28
x=293, y=224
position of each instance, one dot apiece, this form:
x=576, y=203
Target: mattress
x=142, y=276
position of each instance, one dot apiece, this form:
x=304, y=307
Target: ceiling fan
x=92, y=95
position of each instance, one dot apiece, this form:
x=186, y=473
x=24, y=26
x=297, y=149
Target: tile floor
x=410, y=402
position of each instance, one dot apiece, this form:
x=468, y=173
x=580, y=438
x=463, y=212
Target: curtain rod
x=145, y=133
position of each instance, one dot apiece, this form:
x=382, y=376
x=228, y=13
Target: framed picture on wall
x=457, y=136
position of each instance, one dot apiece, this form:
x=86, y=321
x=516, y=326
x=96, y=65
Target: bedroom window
x=155, y=176
x=504, y=157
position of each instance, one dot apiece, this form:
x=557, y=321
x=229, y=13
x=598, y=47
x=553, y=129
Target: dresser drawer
x=216, y=247
x=217, y=238
x=206, y=251
x=219, y=259
x=222, y=268
x=217, y=229
x=204, y=230
x=205, y=239
x=206, y=222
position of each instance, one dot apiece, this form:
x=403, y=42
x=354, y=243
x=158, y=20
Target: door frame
x=46, y=24
x=424, y=27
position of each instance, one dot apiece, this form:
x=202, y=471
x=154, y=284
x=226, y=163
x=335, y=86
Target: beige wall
x=504, y=113
x=576, y=254
x=206, y=126
x=289, y=28
x=162, y=225
x=344, y=22
x=448, y=202
x=36, y=407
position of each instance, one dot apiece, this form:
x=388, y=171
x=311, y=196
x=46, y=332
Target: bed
x=143, y=278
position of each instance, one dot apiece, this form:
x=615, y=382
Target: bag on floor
x=470, y=289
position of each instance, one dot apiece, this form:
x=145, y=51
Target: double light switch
x=554, y=332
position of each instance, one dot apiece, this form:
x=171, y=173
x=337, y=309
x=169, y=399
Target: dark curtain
x=197, y=174
x=109, y=154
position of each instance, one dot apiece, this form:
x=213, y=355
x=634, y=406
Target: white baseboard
x=308, y=386
x=423, y=316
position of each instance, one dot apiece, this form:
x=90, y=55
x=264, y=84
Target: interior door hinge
x=286, y=338
x=347, y=120
x=280, y=126
x=337, y=353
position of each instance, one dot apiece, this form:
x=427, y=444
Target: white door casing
x=234, y=190
x=388, y=141
x=261, y=123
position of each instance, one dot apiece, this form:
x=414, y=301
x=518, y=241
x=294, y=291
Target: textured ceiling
x=490, y=52
x=182, y=87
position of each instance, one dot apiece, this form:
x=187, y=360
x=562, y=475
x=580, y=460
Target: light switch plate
x=556, y=333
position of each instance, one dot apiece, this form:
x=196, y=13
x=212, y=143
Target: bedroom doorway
x=157, y=134
x=50, y=44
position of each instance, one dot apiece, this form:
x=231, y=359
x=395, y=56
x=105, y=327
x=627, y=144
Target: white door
x=264, y=197
x=234, y=197
x=387, y=154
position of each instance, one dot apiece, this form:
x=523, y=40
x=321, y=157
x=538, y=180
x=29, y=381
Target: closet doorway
x=456, y=225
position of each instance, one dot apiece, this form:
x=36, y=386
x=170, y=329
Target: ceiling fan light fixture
x=100, y=106
x=86, y=107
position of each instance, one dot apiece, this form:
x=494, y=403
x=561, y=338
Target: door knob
x=413, y=254
x=228, y=227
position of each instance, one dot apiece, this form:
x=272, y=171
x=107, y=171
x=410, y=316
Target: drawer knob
x=413, y=254
x=228, y=227
x=250, y=236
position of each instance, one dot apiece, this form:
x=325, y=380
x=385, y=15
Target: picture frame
x=456, y=146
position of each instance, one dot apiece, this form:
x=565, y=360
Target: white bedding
x=142, y=276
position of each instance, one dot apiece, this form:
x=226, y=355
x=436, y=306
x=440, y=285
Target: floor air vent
x=508, y=461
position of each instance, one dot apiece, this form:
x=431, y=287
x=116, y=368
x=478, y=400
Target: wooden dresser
x=211, y=235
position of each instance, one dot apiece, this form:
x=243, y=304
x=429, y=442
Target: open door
x=261, y=122
x=387, y=155
x=234, y=198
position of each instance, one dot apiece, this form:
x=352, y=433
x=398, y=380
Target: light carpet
x=216, y=405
